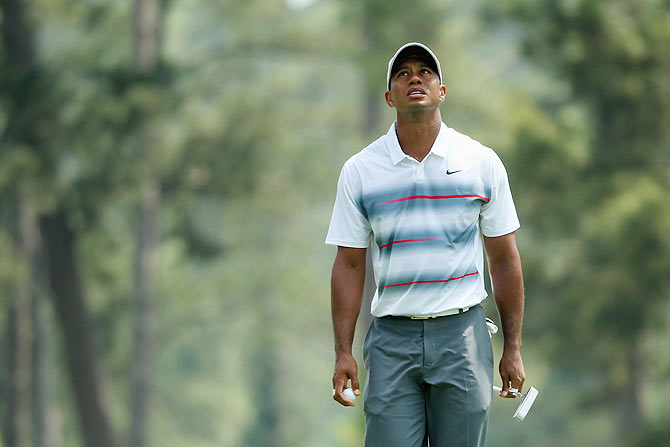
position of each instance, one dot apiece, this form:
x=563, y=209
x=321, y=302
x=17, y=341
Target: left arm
x=507, y=281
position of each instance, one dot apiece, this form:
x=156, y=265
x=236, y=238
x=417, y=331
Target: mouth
x=416, y=92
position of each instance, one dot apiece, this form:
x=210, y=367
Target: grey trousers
x=428, y=381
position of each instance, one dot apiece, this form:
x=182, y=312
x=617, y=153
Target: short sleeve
x=348, y=225
x=498, y=217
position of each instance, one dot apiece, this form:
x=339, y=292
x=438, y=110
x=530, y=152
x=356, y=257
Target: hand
x=512, y=372
x=345, y=369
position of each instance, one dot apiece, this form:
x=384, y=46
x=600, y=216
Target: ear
x=389, y=99
x=443, y=92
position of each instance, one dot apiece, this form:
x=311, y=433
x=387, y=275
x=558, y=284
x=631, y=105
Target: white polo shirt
x=425, y=220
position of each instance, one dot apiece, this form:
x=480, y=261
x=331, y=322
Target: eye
x=425, y=70
x=402, y=73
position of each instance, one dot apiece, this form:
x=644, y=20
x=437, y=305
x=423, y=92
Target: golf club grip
x=516, y=393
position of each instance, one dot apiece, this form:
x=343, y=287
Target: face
x=415, y=87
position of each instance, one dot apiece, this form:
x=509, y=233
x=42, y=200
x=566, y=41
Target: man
x=425, y=196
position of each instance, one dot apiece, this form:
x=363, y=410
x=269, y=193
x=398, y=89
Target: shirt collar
x=395, y=151
x=440, y=146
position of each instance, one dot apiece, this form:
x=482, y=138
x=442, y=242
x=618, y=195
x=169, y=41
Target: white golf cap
x=412, y=49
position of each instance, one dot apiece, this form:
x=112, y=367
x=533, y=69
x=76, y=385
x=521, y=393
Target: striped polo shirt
x=424, y=220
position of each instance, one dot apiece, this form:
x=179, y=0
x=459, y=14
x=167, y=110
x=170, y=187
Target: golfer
x=428, y=200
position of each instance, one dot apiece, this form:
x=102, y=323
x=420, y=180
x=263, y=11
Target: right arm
x=347, y=282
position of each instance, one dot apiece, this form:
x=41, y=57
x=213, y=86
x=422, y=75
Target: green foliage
x=600, y=215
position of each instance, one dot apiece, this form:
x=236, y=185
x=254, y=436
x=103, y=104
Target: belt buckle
x=440, y=314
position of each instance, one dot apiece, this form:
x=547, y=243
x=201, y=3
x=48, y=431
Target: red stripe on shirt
x=424, y=282
x=411, y=240
x=463, y=196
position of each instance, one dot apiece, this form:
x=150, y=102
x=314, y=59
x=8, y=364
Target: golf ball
x=348, y=394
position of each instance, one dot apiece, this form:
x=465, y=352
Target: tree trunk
x=17, y=418
x=18, y=42
x=8, y=348
x=44, y=414
x=31, y=397
x=146, y=29
x=373, y=97
x=142, y=311
x=18, y=37
x=42, y=428
x=630, y=406
x=146, y=52
x=71, y=312
x=19, y=332
x=264, y=372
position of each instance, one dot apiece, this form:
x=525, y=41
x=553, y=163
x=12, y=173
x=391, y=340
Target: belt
x=429, y=316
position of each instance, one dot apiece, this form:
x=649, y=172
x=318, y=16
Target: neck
x=417, y=132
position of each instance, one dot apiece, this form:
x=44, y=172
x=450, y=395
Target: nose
x=415, y=79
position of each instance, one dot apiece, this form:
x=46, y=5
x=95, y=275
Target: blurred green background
x=167, y=174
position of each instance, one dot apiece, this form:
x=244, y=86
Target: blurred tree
x=606, y=264
x=19, y=51
x=71, y=310
x=44, y=413
x=19, y=333
x=27, y=390
x=146, y=21
x=26, y=133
